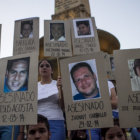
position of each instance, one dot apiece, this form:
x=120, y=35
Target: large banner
x=84, y=36
x=57, y=39
x=127, y=74
x=86, y=94
x=18, y=90
x=63, y=5
x=26, y=36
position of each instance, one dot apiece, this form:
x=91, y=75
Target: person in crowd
x=135, y=81
x=113, y=99
x=48, y=100
x=78, y=135
x=57, y=32
x=16, y=78
x=83, y=27
x=135, y=133
x=40, y=131
x=26, y=29
x=9, y=132
x=85, y=81
x=114, y=133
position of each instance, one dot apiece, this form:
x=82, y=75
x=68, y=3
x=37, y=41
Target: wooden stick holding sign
x=59, y=85
x=89, y=134
x=13, y=131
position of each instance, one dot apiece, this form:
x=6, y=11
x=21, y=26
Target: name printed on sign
x=17, y=97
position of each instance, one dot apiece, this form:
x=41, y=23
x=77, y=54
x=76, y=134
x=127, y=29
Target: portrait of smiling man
x=85, y=81
x=16, y=78
x=26, y=29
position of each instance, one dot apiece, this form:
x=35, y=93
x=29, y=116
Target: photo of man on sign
x=134, y=68
x=16, y=77
x=57, y=32
x=85, y=81
x=26, y=29
x=83, y=28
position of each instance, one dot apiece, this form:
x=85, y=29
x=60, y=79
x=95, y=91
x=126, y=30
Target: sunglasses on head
x=46, y=65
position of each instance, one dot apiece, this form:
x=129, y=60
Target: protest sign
x=84, y=36
x=85, y=90
x=57, y=40
x=26, y=36
x=127, y=74
x=18, y=89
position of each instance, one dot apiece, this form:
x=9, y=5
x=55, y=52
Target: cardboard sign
x=84, y=36
x=86, y=94
x=57, y=40
x=127, y=68
x=63, y=5
x=26, y=36
x=18, y=90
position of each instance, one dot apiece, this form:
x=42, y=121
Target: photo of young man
x=83, y=28
x=134, y=68
x=16, y=77
x=57, y=32
x=85, y=81
x=26, y=29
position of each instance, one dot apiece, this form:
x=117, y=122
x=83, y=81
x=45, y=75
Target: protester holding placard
x=48, y=100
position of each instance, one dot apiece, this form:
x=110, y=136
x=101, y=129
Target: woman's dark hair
x=116, y=122
x=45, y=59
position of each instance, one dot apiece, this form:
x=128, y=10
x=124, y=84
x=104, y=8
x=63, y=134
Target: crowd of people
x=51, y=123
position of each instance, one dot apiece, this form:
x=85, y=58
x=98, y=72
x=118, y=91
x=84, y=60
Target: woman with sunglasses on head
x=48, y=100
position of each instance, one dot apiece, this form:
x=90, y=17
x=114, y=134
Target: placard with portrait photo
x=127, y=74
x=84, y=36
x=85, y=90
x=18, y=89
x=26, y=36
x=57, y=40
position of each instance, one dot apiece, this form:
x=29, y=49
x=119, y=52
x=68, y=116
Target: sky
x=118, y=17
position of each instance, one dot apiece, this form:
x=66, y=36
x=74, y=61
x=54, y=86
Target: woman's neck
x=45, y=80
